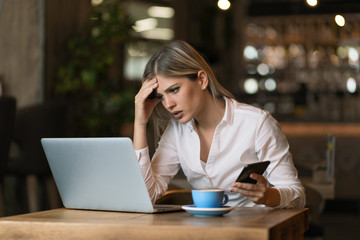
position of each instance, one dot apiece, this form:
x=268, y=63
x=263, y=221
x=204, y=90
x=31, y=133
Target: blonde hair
x=178, y=59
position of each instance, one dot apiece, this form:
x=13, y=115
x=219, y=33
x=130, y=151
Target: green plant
x=99, y=101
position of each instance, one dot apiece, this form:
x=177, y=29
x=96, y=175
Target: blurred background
x=74, y=67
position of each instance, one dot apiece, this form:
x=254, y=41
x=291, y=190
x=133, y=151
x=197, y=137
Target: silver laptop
x=99, y=174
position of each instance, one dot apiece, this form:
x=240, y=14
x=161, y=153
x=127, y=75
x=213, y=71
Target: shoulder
x=176, y=128
x=250, y=117
x=243, y=110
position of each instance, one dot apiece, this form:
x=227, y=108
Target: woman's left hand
x=258, y=193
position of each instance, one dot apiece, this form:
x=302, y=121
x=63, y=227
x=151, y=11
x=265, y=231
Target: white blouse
x=245, y=135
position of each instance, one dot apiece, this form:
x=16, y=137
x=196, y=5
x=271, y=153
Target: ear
x=203, y=79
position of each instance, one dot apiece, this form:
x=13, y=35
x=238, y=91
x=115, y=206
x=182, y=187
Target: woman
x=208, y=134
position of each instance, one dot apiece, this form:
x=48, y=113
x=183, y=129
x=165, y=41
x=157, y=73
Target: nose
x=168, y=102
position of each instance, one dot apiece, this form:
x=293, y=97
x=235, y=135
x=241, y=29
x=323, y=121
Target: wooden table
x=241, y=223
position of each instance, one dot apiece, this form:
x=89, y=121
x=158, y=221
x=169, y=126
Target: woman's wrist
x=139, y=139
x=273, y=197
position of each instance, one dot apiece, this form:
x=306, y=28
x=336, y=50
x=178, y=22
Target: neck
x=212, y=113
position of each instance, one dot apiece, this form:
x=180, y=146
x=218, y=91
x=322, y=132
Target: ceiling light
x=145, y=24
x=224, y=4
x=351, y=85
x=312, y=3
x=353, y=54
x=262, y=69
x=158, y=33
x=340, y=20
x=270, y=84
x=251, y=86
x=161, y=12
x=250, y=53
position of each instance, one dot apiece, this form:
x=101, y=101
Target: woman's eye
x=174, y=90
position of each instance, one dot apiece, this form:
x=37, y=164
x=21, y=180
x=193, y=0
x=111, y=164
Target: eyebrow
x=169, y=88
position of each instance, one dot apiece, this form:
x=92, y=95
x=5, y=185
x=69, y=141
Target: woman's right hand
x=143, y=105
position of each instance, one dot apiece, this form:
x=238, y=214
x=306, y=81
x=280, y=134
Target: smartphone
x=258, y=168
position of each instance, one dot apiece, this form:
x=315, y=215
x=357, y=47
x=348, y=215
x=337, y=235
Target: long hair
x=178, y=59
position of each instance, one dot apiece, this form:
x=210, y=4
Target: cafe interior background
x=74, y=68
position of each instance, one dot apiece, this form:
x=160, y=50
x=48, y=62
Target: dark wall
x=63, y=18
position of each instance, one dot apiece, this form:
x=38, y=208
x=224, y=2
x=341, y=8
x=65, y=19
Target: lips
x=177, y=114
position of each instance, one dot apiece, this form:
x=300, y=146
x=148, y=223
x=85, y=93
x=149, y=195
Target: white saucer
x=207, y=212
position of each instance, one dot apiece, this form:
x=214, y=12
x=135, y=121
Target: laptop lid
x=98, y=174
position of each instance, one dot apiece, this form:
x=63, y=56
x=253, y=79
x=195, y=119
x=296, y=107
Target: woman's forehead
x=163, y=80
x=166, y=82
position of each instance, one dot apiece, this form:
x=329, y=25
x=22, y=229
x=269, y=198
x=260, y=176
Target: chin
x=183, y=120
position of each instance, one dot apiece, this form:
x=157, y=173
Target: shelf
x=320, y=129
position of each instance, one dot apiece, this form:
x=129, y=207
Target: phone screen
x=258, y=168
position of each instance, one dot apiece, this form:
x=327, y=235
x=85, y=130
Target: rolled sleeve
x=292, y=197
x=142, y=156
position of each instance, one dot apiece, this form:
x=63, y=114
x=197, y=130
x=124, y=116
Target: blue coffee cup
x=209, y=198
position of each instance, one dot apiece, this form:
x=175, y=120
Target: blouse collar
x=227, y=118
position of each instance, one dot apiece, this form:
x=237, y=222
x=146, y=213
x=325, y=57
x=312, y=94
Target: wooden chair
x=30, y=166
x=7, y=117
x=315, y=203
x=176, y=197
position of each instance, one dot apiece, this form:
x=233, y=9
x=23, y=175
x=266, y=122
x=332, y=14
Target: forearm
x=139, y=139
x=154, y=183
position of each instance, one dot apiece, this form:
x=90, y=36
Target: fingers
x=260, y=179
x=144, y=106
x=247, y=188
x=255, y=192
x=147, y=88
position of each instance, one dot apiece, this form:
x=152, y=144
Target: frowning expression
x=182, y=97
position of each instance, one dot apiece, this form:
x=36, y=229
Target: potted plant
x=100, y=101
